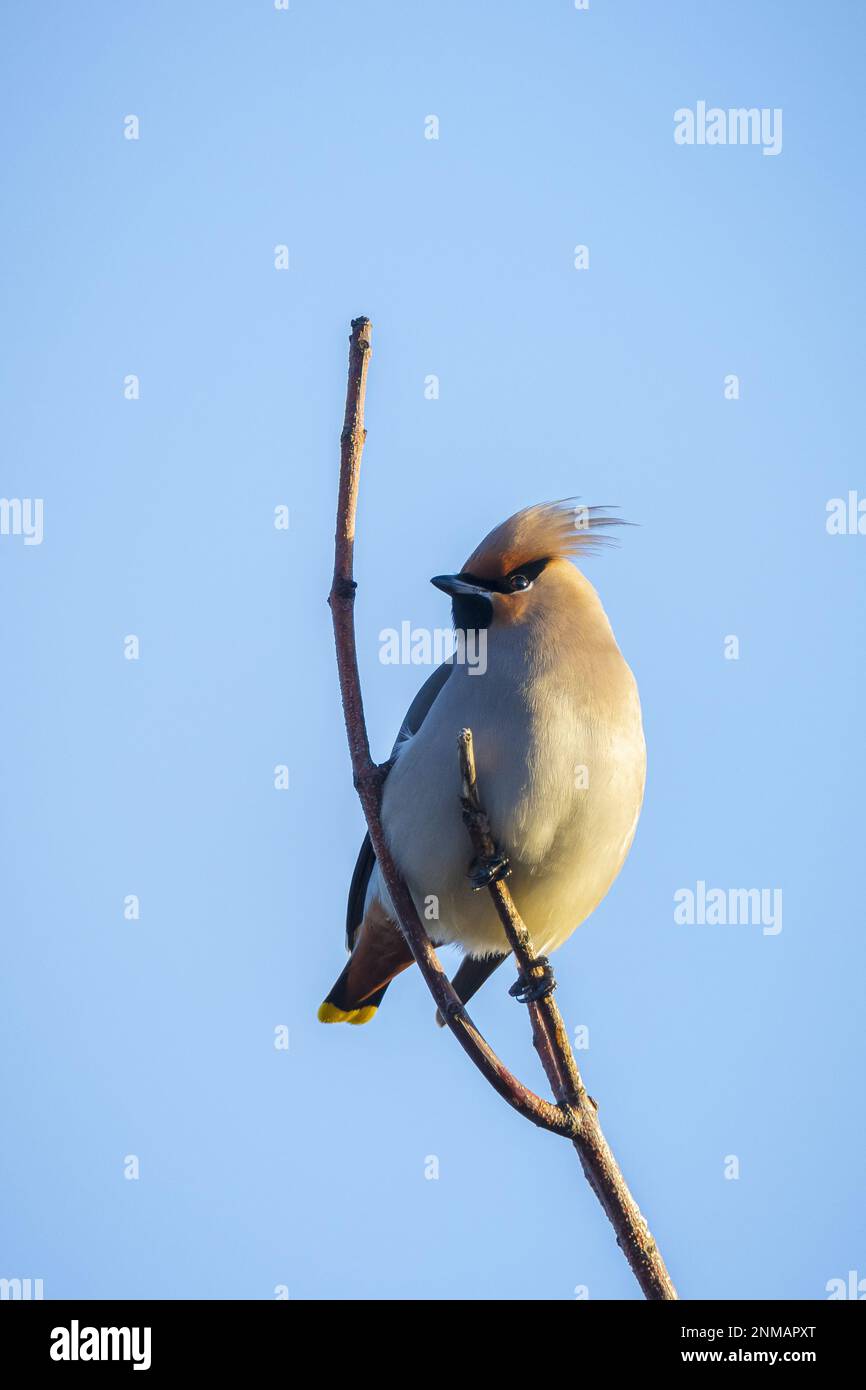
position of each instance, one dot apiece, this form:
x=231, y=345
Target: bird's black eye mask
x=472, y=611
x=512, y=583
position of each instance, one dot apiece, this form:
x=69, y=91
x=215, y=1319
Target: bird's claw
x=529, y=991
x=483, y=872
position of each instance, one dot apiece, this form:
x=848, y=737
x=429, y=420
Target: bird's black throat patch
x=471, y=612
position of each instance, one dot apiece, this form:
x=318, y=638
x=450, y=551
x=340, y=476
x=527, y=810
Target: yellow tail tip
x=329, y=1013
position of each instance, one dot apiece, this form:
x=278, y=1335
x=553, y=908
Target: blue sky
x=155, y=257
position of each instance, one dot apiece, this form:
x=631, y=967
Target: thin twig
x=551, y=1040
x=574, y=1115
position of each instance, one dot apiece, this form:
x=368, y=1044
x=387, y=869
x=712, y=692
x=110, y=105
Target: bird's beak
x=454, y=585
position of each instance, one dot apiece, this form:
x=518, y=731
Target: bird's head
x=522, y=567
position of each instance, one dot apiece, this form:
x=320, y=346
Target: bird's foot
x=529, y=991
x=490, y=869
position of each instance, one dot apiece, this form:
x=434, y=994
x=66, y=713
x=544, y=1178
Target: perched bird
x=559, y=747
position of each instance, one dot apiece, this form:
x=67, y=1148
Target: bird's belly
x=562, y=862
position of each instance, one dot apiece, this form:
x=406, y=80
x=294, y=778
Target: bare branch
x=368, y=777
x=574, y=1115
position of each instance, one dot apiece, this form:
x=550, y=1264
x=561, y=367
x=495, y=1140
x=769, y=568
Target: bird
x=556, y=721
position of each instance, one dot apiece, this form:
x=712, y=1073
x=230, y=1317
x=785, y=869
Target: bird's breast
x=561, y=773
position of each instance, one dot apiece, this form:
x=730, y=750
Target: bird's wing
x=422, y=704
x=415, y=716
x=358, y=891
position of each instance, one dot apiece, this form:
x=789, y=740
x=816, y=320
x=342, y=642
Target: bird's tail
x=379, y=953
x=337, y=1008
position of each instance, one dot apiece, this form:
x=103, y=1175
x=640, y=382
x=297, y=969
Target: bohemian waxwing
x=559, y=746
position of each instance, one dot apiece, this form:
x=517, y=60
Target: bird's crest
x=547, y=531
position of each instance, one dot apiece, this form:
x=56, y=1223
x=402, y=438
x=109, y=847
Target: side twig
x=574, y=1115
x=554, y=1048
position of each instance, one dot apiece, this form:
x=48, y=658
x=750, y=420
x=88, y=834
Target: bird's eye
x=518, y=581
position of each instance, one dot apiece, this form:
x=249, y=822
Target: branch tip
x=466, y=753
